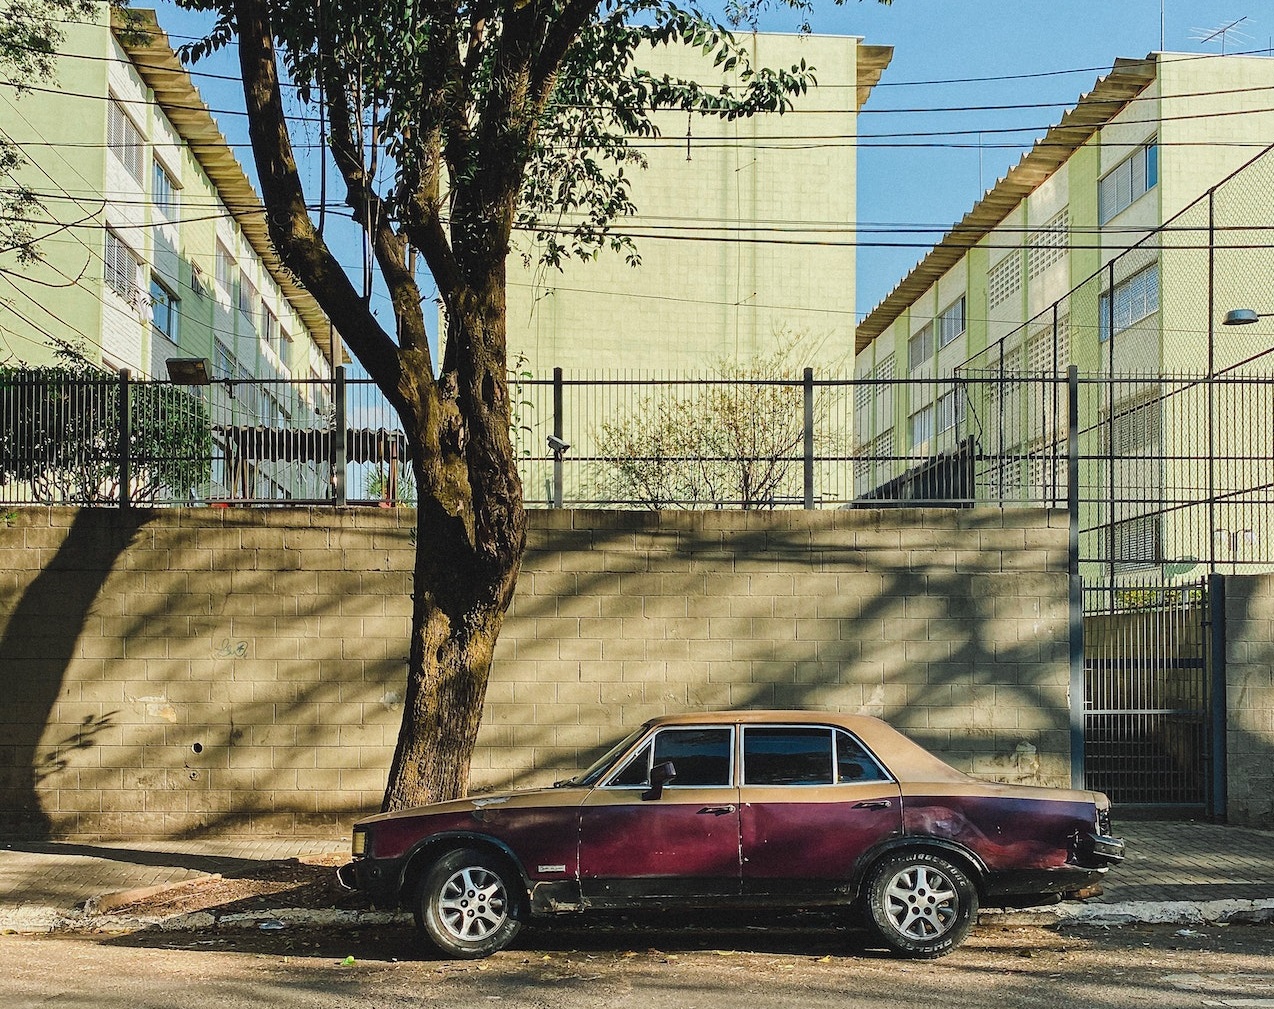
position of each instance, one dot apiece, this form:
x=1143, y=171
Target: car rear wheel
x=920, y=905
x=468, y=904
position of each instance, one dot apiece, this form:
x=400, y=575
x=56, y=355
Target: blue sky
x=1046, y=52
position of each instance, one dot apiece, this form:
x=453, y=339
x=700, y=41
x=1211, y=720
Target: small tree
x=733, y=441
x=61, y=435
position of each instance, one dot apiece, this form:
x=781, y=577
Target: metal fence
x=115, y=440
x=1172, y=474
x=1150, y=695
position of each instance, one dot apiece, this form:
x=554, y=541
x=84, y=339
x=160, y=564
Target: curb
x=95, y=917
x=1139, y=912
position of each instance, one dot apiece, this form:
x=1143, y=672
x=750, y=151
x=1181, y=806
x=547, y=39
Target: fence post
x=339, y=436
x=1218, y=703
x=1076, y=590
x=557, y=433
x=809, y=438
x=125, y=438
x=1072, y=464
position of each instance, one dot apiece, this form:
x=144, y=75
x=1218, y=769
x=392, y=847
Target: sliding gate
x=1150, y=696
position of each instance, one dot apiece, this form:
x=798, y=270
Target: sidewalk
x=1177, y=872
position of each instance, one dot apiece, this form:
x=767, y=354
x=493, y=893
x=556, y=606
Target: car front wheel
x=468, y=904
x=920, y=905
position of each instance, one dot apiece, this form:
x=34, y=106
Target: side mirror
x=660, y=775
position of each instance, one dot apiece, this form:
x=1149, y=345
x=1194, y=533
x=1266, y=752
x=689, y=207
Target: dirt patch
x=305, y=882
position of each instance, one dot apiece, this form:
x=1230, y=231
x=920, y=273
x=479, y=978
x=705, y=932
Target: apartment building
x=745, y=230
x=1099, y=249
x=152, y=241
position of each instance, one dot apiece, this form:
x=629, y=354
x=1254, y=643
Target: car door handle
x=873, y=804
x=717, y=810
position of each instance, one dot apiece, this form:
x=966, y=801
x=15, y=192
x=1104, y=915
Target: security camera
x=556, y=444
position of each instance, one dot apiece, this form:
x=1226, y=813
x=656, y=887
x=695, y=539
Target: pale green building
x=152, y=241
x=1117, y=244
x=745, y=231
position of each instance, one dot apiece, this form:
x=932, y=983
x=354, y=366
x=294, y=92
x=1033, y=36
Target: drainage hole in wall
x=197, y=748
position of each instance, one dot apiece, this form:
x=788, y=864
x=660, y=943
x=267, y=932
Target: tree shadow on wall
x=966, y=672
x=39, y=644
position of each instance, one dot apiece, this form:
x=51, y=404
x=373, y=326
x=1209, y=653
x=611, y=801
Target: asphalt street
x=1162, y=966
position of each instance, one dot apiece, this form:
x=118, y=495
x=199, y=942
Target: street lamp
x=189, y=371
x=1244, y=317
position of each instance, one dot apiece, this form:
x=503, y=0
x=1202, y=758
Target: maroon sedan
x=737, y=810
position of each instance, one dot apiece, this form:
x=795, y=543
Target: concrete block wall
x=950, y=624
x=184, y=672
x=188, y=671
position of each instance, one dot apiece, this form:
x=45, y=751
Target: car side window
x=701, y=756
x=853, y=762
x=791, y=755
x=636, y=771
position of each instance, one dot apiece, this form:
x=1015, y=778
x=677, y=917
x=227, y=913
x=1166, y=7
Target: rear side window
x=796, y=755
x=853, y=762
x=805, y=755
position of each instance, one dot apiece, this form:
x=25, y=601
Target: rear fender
x=957, y=854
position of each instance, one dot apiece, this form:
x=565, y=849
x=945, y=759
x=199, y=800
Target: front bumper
x=380, y=879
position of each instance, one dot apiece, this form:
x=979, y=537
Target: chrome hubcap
x=921, y=902
x=473, y=904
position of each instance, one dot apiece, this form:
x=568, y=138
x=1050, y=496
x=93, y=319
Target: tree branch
x=301, y=248
x=389, y=247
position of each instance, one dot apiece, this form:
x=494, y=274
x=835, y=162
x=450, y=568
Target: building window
x=198, y=282
x=951, y=407
x=1136, y=427
x=164, y=309
x=270, y=328
x=872, y=463
x=1134, y=299
x=874, y=401
x=1004, y=280
x=951, y=322
x=248, y=301
x=920, y=426
x=223, y=361
x=1136, y=543
x=123, y=137
x=227, y=273
x=123, y=269
x=920, y=347
x=1131, y=178
x=163, y=192
x=1048, y=349
x=1048, y=244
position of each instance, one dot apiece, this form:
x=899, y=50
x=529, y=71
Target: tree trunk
x=450, y=663
x=470, y=537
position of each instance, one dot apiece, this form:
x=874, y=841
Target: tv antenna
x=1225, y=33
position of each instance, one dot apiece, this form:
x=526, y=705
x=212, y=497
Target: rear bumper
x=1099, y=850
x=1008, y=888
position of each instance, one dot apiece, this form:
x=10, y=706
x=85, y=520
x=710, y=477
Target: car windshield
x=599, y=766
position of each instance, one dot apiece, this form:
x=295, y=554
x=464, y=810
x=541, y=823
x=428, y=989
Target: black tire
x=920, y=905
x=470, y=904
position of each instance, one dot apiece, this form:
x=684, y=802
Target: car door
x=639, y=844
x=812, y=801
